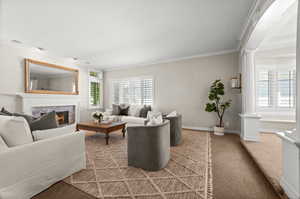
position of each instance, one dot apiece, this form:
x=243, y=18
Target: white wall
x=12, y=74
x=184, y=86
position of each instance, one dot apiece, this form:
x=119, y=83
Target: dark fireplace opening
x=62, y=117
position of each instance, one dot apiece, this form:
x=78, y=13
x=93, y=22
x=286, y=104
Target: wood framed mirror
x=45, y=78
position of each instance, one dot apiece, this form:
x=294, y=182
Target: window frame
x=111, y=87
x=101, y=82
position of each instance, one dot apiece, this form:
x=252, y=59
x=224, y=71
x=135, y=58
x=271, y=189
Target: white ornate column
x=249, y=118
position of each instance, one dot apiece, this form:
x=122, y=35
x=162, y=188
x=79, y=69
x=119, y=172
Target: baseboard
x=251, y=139
x=289, y=190
x=208, y=129
x=269, y=131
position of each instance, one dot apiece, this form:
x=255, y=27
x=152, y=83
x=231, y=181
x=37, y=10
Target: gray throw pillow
x=5, y=112
x=144, y=111
x=115, y=109
x=28, y=118
x=47, y=121
x=124, y=110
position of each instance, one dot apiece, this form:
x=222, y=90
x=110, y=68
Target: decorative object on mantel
x=236, y=82
x=45, y=78
x=217, y=105
x=98, y=116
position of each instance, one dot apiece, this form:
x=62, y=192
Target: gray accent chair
x=175, y=129
x=149, y=146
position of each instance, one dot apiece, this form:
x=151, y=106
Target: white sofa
x=32, y=166
x=131, y=119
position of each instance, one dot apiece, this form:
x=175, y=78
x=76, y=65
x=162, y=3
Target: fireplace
x=65, y=115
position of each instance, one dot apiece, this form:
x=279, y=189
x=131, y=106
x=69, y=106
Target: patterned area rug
x=187, y=175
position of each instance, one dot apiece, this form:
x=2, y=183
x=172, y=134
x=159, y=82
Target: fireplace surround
x=66, y=106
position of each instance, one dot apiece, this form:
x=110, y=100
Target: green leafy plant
x=217, y=104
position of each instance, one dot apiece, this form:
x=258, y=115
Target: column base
x=290, y=181
x=250, y=127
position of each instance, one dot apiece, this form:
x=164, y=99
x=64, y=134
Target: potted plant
x=98, y=116
x=217, y=105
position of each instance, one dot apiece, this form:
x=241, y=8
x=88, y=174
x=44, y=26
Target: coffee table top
x=101, y=125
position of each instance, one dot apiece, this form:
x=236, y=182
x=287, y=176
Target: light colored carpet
x=268, y=155
x=188, y=174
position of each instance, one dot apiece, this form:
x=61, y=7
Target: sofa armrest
x=29, y=169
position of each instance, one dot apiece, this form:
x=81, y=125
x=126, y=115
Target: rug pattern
x=187, y=175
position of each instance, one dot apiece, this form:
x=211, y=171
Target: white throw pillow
x=15, y=131
x=154, y=118
x=134, y=110
x=45, y=134
x=172, y=114
x=3, y=145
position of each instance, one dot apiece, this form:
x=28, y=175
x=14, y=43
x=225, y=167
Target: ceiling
x=111, y=33
x=282, y=38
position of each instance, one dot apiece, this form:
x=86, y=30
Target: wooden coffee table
x=103, y=128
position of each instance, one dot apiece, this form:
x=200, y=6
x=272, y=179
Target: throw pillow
x=124, y=110
x=115, y=109
x=15, y=131
x=144, y=111
x=154, y=118
x=47, y=121
x=134, y=110
x=3, y=145
x=48, y=133
x=172, y=114
x=5, y=112
x=28, y=118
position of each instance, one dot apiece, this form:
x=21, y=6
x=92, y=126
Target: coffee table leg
x=107, y=138
x=124, y=131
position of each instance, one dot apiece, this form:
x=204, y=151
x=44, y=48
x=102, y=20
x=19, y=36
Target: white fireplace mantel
x=40, y=100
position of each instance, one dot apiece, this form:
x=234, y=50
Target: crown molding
x=170, y=60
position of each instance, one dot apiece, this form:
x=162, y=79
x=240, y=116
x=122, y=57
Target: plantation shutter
x=275, y=88
x=95, y=92
x=137, y=91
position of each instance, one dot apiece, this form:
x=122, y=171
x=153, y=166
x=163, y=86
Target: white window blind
x=95, y=89
x=275, y=88
x=137, y=91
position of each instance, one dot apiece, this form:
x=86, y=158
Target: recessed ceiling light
x=16, y=41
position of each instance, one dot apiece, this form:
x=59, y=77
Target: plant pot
x=219, y=130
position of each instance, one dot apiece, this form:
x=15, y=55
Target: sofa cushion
x=15, y=130
x=48, y=133
x=135, y=120
x=47, y=121
x=3, y=145
x=144, y=111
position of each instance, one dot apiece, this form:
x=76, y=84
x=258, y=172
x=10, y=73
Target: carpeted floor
x=235, y=175
x=268, y=155
x=187, y=175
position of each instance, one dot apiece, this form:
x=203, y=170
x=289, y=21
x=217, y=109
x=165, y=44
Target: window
x=275, y=89
x=95, y=89
x=137, y=91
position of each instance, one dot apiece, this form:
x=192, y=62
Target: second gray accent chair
x=149, y=146
x=175, y=129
